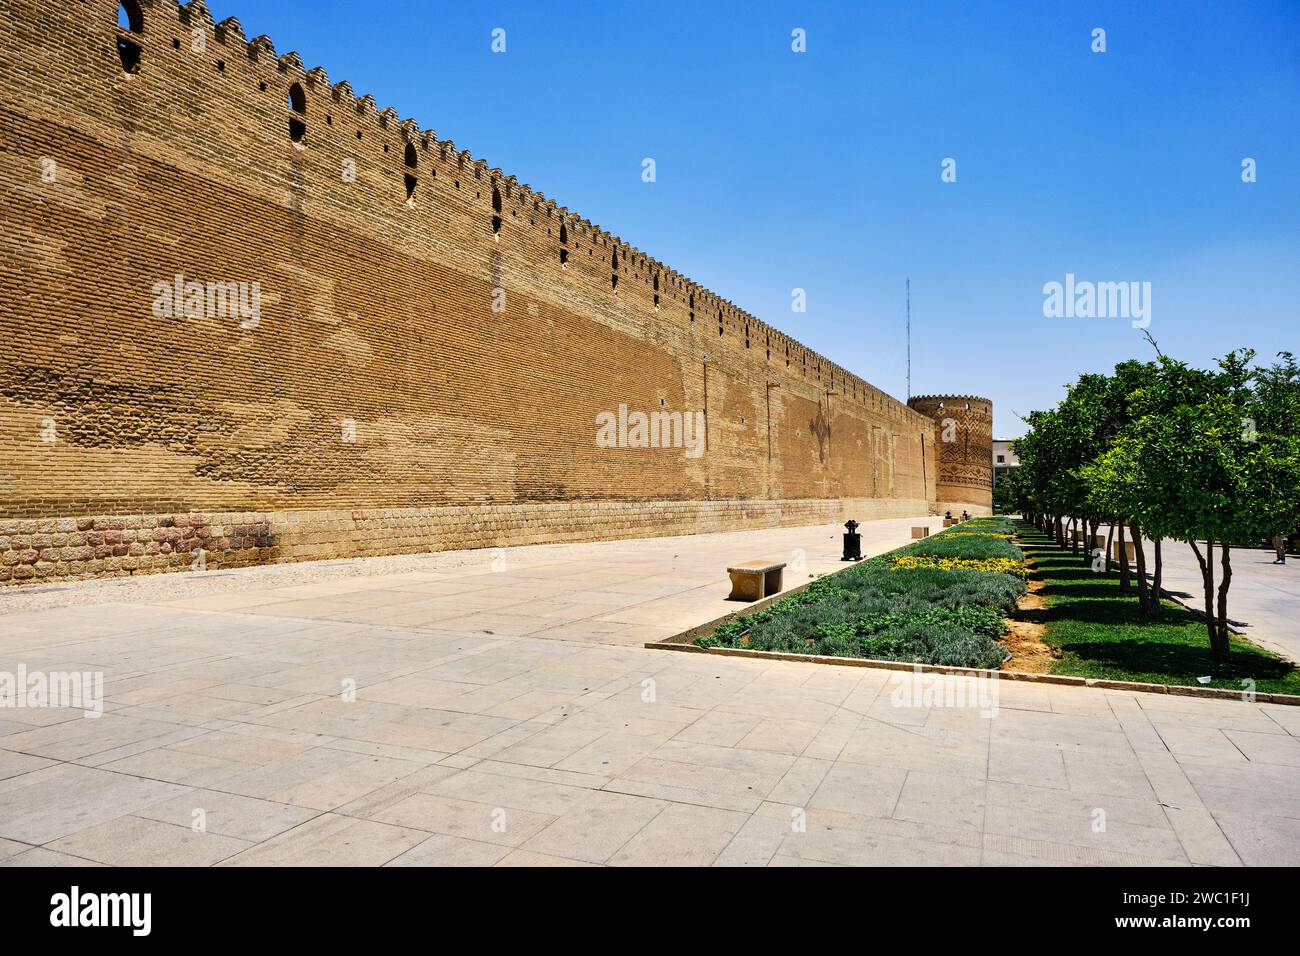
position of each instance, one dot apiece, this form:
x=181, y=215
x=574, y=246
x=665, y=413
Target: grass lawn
x=1099, y=631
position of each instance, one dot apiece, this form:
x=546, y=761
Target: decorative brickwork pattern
x=250, y=315
x=965, y=430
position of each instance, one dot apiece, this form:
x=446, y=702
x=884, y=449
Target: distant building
x=1004, y=459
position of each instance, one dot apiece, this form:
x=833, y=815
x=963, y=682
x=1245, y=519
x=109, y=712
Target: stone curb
x=1176, y=690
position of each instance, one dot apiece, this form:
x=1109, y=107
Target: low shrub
x=968, y=547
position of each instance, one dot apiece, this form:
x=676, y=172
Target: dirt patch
x=1024, y=640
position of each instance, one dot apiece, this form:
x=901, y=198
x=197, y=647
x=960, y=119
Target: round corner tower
x=964, y=429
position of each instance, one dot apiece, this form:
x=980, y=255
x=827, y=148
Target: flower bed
x=1010, y=566
x=940, y=600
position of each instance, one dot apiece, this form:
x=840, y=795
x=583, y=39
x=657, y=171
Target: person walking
x=1279, y=543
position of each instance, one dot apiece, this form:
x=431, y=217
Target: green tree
x=1218, y=462
x=1113, y=480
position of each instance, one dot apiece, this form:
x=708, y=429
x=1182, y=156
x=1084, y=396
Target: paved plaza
x=498, y=708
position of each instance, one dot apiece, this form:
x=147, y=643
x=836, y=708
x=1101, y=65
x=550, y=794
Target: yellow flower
x=984, y=566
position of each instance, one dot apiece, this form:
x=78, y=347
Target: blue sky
x=821, y=170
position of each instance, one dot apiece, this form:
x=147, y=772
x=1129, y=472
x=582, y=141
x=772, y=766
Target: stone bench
x=754, y=580
x=920, y=532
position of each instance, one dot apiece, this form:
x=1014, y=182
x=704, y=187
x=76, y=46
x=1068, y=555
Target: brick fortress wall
x=424, y=372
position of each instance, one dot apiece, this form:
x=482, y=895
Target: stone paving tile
x=1262, y=840
x=1262, y=801
x=598, y=828
x=783, y=860
x=942, y=800
x=1119, y=773
x=759, y=838
x=241, y=746
x=718, y=727
x=369, y=804
x=800, y=782
x=320, y=779
x=652, y=722
x=700, y=796
x=1118, y=824
x=493, y=622
x=1174, y=711
x=175, y=766
x=1193, y=740
x=682, y=835
x=1272, y=748
x=14, y=764
x=782, y=736
x=470, y=819
x=41, y=857
x=611, y=753
x=1041, y=765
x=10, y=848
x=703, y=778
x=1203, y=840
x=47, y=804
x=880, y=745
x=859, y=789
x=549, y=745
x=332, y=840
x=1266, y=779
x=528, y=858
x=1047, y=853
x=849, y=847
x=74, y=739
x=227, y=814
x=136, y=841
x=516, y=793
x=443, y=850
x=834, y=736
x=1287, y=718
x=1098, y=732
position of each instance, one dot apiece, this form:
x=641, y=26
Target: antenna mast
x=909, y=339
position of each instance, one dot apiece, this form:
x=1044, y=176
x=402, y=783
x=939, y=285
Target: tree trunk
x=1154, y=609
x=1206, y=562
x=1225, y=579
x=1110, y=534
x=1123, y=559
x=1074, y=543
x=1139, y=553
